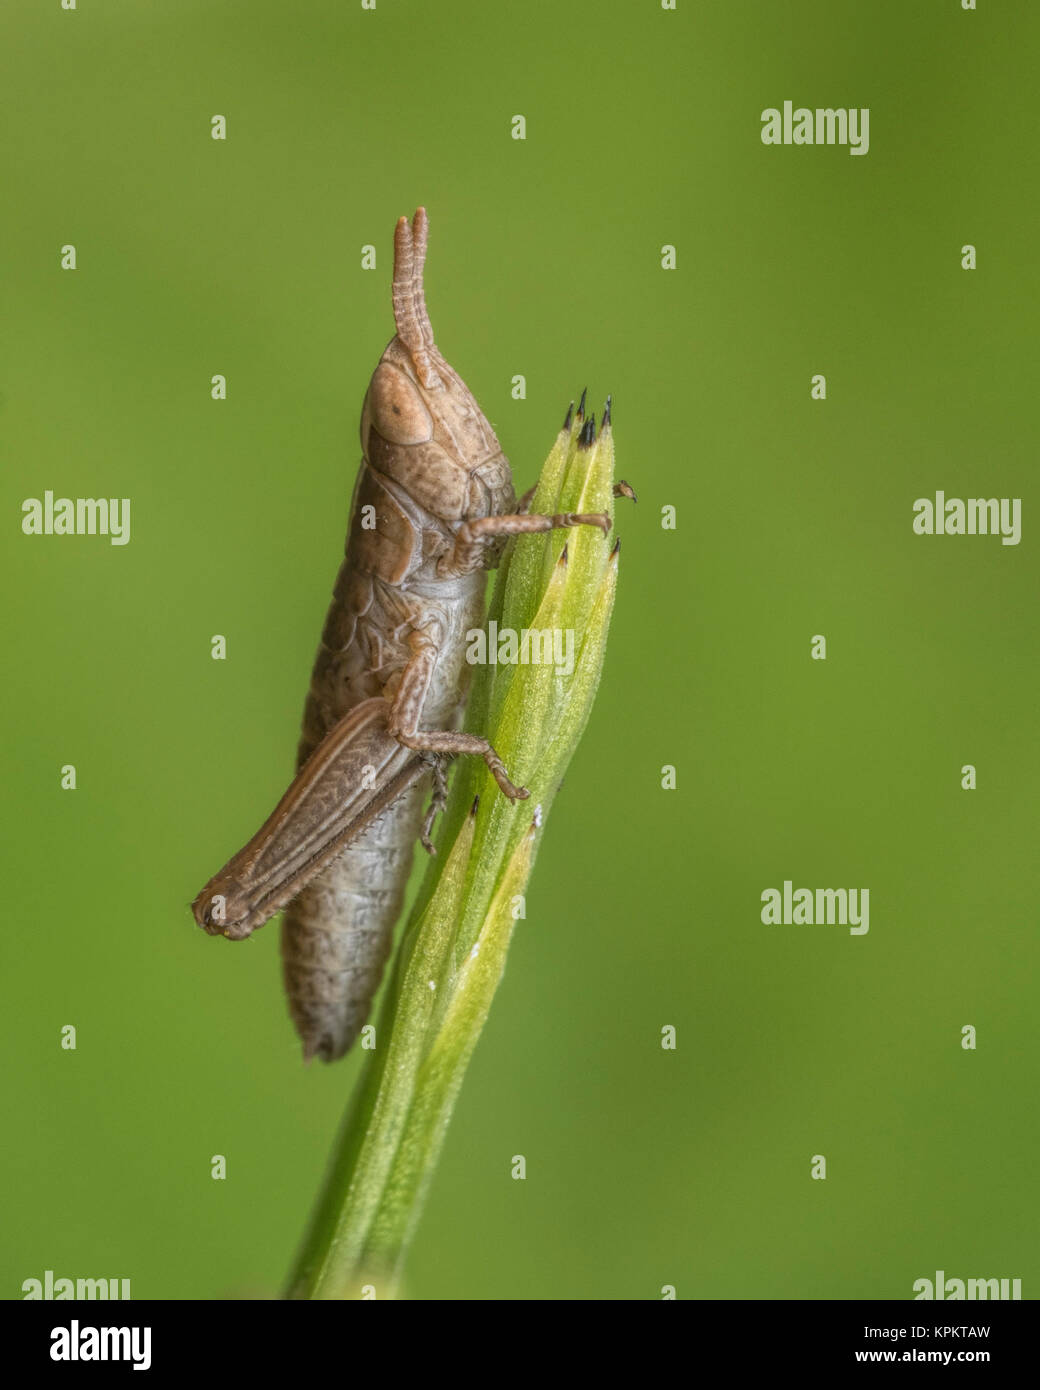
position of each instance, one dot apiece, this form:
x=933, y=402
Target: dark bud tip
x=581, y=403
x=606, y=413
x=588, y=433
x=570, y=416
x=473, y=808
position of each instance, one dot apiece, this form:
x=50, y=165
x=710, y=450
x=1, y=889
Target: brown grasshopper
x=432, y=508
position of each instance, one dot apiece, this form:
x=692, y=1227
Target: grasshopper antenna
x=410, y=315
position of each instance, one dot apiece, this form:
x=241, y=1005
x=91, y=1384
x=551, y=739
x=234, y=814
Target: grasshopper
x=433, y=507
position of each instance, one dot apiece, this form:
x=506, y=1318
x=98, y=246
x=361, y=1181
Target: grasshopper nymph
x=433, y=506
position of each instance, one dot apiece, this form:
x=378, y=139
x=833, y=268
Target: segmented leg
x=437, y=803
x=525, y=501
x=403, y=722
x=467, y=554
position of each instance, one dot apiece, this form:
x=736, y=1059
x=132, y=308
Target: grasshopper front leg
x=467, y=554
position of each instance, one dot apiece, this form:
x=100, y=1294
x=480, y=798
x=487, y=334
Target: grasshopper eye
x=396, y=408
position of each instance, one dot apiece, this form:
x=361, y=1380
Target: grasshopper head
x=420, y=425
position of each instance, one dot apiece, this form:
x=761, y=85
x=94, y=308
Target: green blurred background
x=195, y=257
